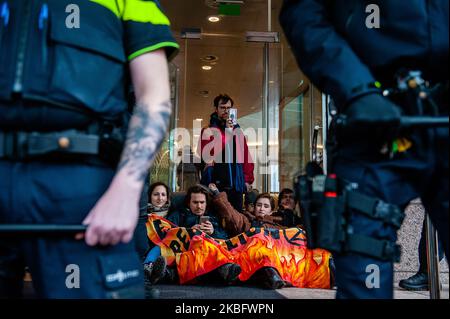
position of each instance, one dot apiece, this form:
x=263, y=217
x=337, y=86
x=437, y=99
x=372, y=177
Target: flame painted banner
x=195, y=253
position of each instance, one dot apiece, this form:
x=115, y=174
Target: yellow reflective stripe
x=144, y=11
x=109, y=4
x=153, y=48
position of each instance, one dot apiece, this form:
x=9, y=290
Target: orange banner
x=195, y=253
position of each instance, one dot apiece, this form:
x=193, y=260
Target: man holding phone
x=232, y=168
x=195, y=213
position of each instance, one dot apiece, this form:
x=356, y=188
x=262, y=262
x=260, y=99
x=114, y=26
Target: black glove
x=374, y=116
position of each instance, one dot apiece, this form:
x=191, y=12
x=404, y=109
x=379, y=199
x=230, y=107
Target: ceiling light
x=213, y=19
x=206, y=67
x=209, y=58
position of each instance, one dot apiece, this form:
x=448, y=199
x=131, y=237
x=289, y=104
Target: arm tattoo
x=145, y=135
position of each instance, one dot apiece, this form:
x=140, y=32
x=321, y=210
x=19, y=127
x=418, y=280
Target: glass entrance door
x=217, y=56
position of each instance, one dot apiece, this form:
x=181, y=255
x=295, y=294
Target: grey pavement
x=243, y=292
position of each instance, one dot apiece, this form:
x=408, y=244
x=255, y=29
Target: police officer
x=63, y=79
x=353, y=50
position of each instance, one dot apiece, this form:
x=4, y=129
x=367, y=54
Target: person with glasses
x=231, y=169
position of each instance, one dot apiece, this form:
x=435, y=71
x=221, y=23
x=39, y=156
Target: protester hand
x=229, y=123
x=113, y=218
x=207, y=227
x=213, y=187
x=373, y=115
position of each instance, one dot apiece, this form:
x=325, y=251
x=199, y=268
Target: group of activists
x=201, y=238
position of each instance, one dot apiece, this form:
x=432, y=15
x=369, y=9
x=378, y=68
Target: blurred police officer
x=63, y=79
x=347, y=48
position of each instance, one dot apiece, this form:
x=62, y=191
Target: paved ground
x=297, y=293
x=251, y=292
x=212, y=292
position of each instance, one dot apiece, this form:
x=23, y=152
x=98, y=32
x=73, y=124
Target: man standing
x=224, y=150
x=350, y=49
x=62, y=103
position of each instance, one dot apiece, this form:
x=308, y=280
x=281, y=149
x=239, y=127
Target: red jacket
x=242, y=153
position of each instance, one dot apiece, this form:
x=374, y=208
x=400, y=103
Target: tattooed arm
x=114, y=217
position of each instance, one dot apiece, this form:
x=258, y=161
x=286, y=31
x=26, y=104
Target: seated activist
x=194, y=214
x=264, y=254
x=262, y=216
x=236, y=223
x=285, y=215
x=158, y=203
x=249, y=202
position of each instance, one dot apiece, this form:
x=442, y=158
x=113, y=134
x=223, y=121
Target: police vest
x=74, y=53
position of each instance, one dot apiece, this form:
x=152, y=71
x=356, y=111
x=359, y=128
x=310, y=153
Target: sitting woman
x=158, y=197
x=154, y=201
x=236, y=223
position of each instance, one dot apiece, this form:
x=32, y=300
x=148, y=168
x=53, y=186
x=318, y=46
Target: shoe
x=417, y=282
x=159, y=268
x=271, y=278
x=148, y=268
x=152, y=292
x=332, y=273
x=229, y=272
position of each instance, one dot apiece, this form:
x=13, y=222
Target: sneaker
x=272, y=279
x=416, y=282
x=159, y=268
x=229, y=272
x=148, y=268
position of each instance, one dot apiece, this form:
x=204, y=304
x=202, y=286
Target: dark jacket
x=185, y=218
x=236, y=223
x=286, y=217
x=83, y=68
x=341, y=55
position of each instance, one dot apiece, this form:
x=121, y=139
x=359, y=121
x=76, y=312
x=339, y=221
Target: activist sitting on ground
x=285, y=215
x=194, y=215
x=249, y=202
x=236, y=223
x=196, y=254
x=158, y=204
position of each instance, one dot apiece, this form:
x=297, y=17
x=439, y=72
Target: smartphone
x=204, y=219
x=233, y=116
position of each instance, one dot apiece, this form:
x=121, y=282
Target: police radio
x=322, y=214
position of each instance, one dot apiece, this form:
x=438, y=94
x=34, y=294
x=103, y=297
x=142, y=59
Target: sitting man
x=249, y=202
x=285, y=215
x=195, y=215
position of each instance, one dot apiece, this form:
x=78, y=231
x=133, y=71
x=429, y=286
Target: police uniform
x=346, y=59
x=62, y=95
